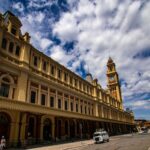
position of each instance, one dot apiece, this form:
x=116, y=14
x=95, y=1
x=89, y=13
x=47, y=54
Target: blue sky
x=82, y=34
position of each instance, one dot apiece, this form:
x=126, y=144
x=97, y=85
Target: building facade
x=42, y=100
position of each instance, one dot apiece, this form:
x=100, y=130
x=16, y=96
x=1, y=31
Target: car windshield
x=97, y=134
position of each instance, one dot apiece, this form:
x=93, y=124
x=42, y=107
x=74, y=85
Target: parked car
x=100, y=136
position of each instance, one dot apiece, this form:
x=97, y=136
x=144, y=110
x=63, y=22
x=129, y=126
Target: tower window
x=4, y=43
x=11, y=46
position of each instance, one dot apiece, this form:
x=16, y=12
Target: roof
x=110, y=60
x=10, y=14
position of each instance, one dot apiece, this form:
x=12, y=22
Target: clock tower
x=113, y=81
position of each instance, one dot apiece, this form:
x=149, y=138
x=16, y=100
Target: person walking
x=3, y=143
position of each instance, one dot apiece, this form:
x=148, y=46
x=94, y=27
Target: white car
x=101, y=136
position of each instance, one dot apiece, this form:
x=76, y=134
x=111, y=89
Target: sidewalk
x=65, y=146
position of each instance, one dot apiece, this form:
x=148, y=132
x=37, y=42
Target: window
x=65, y=76
x=89, y=111
x=43, y=99
x=11, y=46
x=52, y=69
x=92, y=111
x=51, y=101
x=71, y=105
x=33, y=96
x=35, y=60
x=59, y=73
x=17, y=51
x=4, y=43
x=4, y=90
x=75, y=82
x=85, y=110
x=76, y=107
x=70, y=80
x=81, y=108
x=66, y=105
x=59, y=103
x=13, y=31
x=44, y=65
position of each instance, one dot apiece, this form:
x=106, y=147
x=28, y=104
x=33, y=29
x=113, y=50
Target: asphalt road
x=127, y=142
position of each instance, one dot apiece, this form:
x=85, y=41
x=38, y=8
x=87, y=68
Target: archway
x=72, y=129
x=4, y=125
x=47, y=129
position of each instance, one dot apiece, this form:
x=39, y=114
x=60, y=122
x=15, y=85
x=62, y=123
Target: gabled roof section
x=9, y=15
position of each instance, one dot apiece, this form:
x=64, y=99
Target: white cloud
x=57, y=53
x=66, y=28
x=35, y=17
x=40, y=4
x=45, y=43
x=109, y=28
x=139, y=104
x=18, y=6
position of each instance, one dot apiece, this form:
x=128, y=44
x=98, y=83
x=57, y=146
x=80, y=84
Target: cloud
x=99, y=29
x=45, y=43
x=139, y=104
x=35, y=17
x=18, y=6
x=40, y=4
x=108, y=28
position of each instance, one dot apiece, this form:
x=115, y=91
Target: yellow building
x=42, y=100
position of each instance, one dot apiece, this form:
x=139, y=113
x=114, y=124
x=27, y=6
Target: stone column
x=48, y=98
x=53, y=128
x=56, y=100
x=39, y=94
x=69, y=109
x=28, y=92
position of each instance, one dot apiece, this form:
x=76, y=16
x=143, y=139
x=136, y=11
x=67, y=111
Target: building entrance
x=4, y=125
x=47, y=130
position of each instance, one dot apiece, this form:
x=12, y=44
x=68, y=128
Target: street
x=127, y=142
x=122, y=142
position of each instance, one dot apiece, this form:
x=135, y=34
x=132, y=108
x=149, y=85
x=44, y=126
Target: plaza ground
x=122, y=142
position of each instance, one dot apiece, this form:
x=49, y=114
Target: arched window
x=5, y=87
x=4, y=43
x=17, y=51
x=11, y=46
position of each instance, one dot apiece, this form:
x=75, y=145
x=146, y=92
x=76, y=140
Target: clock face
x=111, y=78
